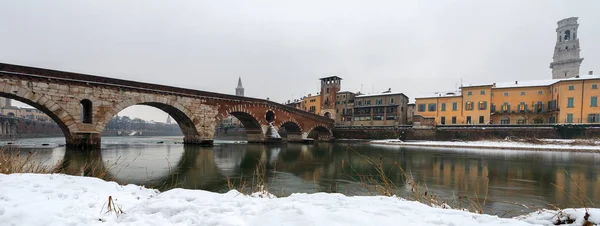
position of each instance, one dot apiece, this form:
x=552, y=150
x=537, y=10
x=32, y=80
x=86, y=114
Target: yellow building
x=312, y=104
x=569, y=100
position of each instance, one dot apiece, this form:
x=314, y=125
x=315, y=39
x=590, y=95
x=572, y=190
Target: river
x=510, y=182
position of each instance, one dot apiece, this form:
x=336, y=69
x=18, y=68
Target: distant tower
x=566, y=53
x=329, y=88
x=239, y=90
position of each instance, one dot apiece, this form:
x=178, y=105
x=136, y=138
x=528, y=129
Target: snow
x=557, y=146
x=56, y=199
x=378, y=94
x=440, y=94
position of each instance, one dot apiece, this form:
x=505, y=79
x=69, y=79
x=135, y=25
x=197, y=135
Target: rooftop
x=379, y=94
x=440, y=94
x=330, y=77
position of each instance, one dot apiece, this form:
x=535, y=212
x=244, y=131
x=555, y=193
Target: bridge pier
x=84, y=141
x=294, y=137
x=197, y=141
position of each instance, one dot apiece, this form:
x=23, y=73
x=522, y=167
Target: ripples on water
x=511, y=178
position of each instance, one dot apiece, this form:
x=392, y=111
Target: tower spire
x=239, y=90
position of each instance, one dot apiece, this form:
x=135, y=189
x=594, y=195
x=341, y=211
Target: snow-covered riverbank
x=546, y=145
x=44, y=199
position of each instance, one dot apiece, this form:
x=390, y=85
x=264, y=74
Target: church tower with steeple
x=566, y=60
x=239, y=90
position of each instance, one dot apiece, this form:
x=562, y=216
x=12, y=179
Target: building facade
x=344, y=108
x=383, y=109
x=312, y=104
x=570, y=100
x=410, y=112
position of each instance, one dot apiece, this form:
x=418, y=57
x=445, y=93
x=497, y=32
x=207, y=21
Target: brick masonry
x=58, y=94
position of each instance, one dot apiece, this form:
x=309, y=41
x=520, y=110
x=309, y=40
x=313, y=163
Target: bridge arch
x=290, y=131
x=251, y=122
x=56, y=112
x=185, y=119
x=320, y=132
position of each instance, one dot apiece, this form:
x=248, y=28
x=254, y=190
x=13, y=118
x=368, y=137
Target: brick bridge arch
x=82, y=105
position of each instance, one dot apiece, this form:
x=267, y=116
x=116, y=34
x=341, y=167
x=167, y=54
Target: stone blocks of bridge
x=82, y=106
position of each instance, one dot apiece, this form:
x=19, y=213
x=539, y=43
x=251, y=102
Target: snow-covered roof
x=476, y=85
x=440, y=94
x=378, y=94
x=530, y=83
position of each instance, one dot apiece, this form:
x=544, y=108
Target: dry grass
x=13, y=161
x=257, y=185
x=381, y=184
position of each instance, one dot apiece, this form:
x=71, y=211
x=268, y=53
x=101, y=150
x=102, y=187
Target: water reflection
x=535, y=179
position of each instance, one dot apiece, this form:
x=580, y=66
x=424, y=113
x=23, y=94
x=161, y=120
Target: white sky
x=280, y=48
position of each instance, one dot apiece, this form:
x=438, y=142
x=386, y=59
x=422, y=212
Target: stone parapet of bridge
x=82, y=105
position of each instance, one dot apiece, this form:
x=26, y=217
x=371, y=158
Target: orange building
x=569, y=100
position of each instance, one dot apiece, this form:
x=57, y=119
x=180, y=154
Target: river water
x=510, y=182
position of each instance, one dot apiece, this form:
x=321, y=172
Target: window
x=521, y=120
x=368, y=102
x=359, y=103
x=482, y=92
x=469, y=106
x=421, y=107
x=431, y=107
x=505, y=94
x=391, y=100
x=481, y=119
x=453, y=119
x=454, y=106
x=443, y=107
x=86, y=111
x=482, y=105
x=571, y=87
x=594, y=86
x=468, y=119
x=505, y=107
x=592, y=118
x=443, y=120
x=569, y=118
x=594, y=102
x=469, y=93
x=377, y=117
x=567, y=35
x=539, y=107
x=328, y=90
x=540, y=92
x=522, y=107
x=570, y=102
x=523, y=93
x=379, y=101
x=505, y=120
x=552, y=119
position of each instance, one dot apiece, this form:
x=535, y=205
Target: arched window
x=86, y=111
x=505, y=120
x=567, y=35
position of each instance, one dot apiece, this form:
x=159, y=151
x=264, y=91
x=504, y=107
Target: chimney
x=591, y=73
x=516, y=82
x=576, y=76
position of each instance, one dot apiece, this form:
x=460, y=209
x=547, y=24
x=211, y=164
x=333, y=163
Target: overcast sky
x=280, y=48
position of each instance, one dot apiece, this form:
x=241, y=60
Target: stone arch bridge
x=82, y=105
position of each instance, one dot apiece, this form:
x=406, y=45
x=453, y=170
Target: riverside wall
x=470, y=132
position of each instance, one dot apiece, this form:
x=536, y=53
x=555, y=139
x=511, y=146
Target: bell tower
x=330, y=86
x=566, y=60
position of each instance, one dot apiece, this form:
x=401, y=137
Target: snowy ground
x=557, y=145
x=35, y=199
